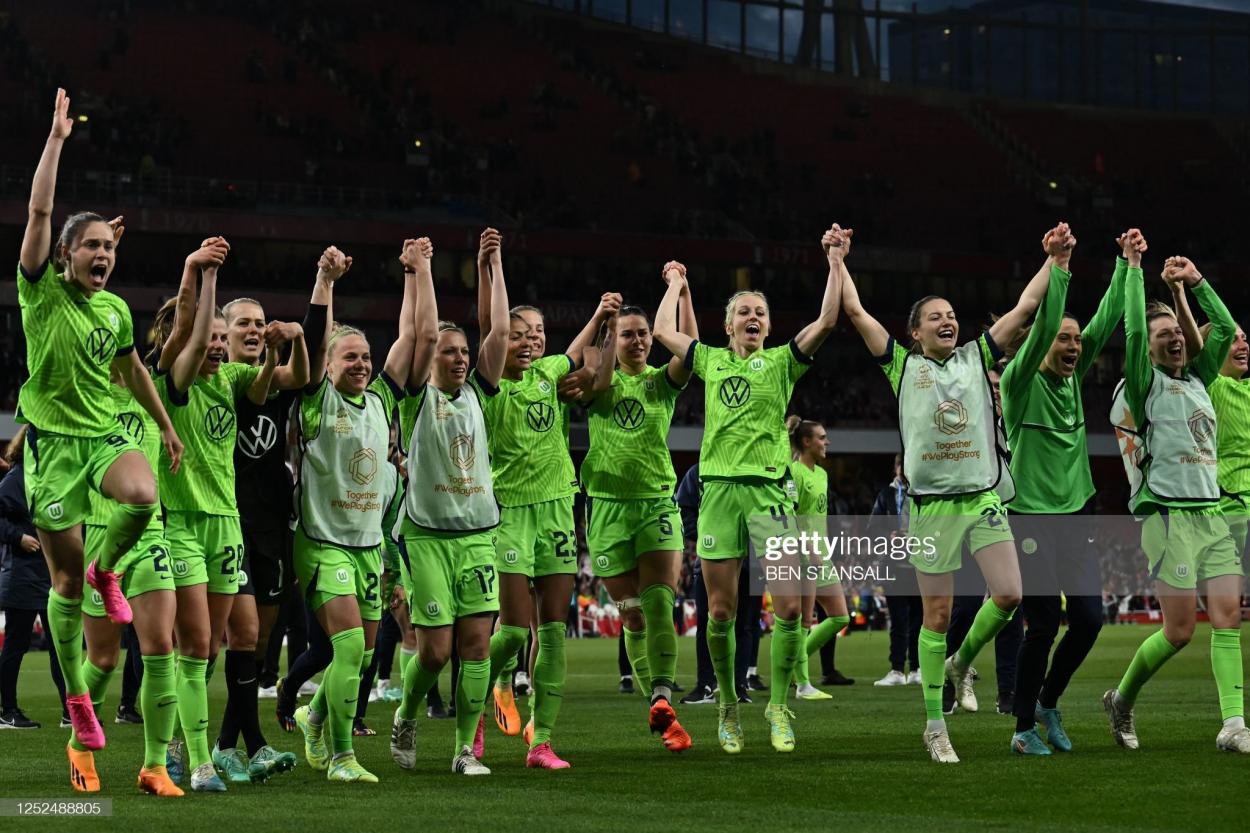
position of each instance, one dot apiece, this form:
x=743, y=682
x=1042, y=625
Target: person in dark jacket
x=24, y=585
x=902, y=598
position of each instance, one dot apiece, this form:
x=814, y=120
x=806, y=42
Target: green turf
x=859, y=763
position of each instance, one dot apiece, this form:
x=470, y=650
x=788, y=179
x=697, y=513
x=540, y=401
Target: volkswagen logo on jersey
x=540, y=416
x=628, y=414
x=259, y=439
x=757, y=364
x=218, y=422
x=101, y=345
x=132, y=424
x=734, y=392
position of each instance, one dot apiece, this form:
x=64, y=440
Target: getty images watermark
x=820, y=557
x=1116, y=556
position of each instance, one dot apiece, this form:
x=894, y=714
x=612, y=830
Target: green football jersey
x=529, y=450
x=204, y=418
x=1231, y=398
x=71, y=340
x=629, y=422
x=813, y=488
x=745, y=399
x=140, y=427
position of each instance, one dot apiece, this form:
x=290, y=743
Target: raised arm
x=294, y=374
x=1104, y=321
x=1017, y=379
x=187, y=364
x=399, y=360
x=416, y=260
x=139, y=383
x=666, y=331
x=1058, y=242
x=37, y=241
x=212, y=252
x=1210, y=359
x=836, y=242
x=1138, y=371
x=577, y=384
x=875, y=337
x=688, y=324
x=332, y=266
x=609, y=305
x=492, y=352
x=1184, y=314
x=606, y=361
x=488, y=246
x=258, y=391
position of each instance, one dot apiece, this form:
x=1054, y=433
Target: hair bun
x=793, y=422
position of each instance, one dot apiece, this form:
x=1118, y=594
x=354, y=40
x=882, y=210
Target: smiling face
x=1167, y=344
x=1065, y=350
x=520, y=348
x=1238, y=356
x=216, y=354
x=451, y=361
x=537, y=333
x=246, y=326
x=350, y=365
x=90, y=258
x=935, y=328
x=747, y=323
x=814, y=444
x=633, y=341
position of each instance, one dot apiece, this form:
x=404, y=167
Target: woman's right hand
x=30, y=543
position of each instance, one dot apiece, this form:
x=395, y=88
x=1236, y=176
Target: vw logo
x=734, y=392
x=602, y=562
x=219, y=422
x=628, y=414
x=341, y=575
x=101, y=345
x=259, y=439
x=132, y=424
x=431, y=608
x=540, y=417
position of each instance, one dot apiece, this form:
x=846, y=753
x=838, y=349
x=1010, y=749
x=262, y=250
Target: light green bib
x=449, y=478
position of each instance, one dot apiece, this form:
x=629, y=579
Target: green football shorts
x=537, y=539
x=147, y=567
x=618, y=531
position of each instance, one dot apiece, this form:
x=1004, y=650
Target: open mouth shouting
x=1240, y=356
x=99, y=274
x=753, y=329
x=946, y=333
x=215, y=357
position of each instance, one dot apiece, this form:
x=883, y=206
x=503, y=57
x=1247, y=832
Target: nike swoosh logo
x=165, y=705
x=349, y=702
x=934, y=686
x=247, y=682
x=719, y=367
x=65, y=641
x=514, y=393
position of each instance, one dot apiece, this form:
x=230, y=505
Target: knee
x=138, y=492
x=720, y=612
x=160, y=646
x=434, y=659
x=937, y=615
x=244, y=638
x=633, y=619
x=1008, y=600
x=104, y=662
x=68, y=585
x=1178, y=634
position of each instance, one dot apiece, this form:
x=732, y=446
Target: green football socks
x=550, y=669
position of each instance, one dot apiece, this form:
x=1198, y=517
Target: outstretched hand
x=332, y=265
x=278, y=333
x=62, y=124
x=1132, y=246
x=488, y=248
x=417, y=255
x=1177, y=269
x=1059, y=243
x=211, y=254
x=837, y=243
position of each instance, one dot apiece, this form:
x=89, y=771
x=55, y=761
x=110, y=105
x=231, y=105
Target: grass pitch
x=860, y=763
